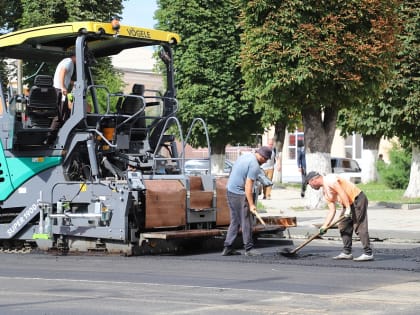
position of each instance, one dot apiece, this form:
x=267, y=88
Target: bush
x=396, y=174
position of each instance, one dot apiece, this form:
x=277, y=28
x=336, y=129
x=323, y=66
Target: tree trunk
x=319, y=128
x=218, y=153
x=279, y=134
x=413, y=189
x=370, y=157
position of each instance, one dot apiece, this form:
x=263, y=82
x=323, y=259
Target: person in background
x=62, y=83
x=63, y=74
x=354, y=201
x=240, y=198
x=268, y=168
x=380, y=165
x=26, y=90
x=301, y=162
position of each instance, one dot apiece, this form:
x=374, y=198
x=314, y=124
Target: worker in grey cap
x=240, y=197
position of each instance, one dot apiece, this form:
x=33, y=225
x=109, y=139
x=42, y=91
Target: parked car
x=196, y=167
x=201, y=166
x=347, y=168
x=227, y=167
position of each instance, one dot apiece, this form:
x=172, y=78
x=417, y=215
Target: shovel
x=258, y=217
x=292, y=253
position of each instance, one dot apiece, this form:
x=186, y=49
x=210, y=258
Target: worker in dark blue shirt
x=301, y=162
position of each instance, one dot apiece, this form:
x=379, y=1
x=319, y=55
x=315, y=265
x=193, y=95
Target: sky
x=139, y=13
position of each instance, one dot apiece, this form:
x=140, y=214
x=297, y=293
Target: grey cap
x=265, y=152
x=311, y=175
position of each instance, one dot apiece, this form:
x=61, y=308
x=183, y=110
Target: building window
x=295, y=140
x=353, y=146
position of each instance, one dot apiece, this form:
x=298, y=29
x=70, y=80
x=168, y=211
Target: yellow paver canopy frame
x=52, y=42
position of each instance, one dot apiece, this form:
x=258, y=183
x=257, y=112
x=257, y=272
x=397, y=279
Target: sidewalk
x=385, y=224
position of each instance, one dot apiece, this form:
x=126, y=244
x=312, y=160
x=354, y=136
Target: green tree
x=396, y=112
x=316, y=57
x=395, y=174
x=42, y=12
x=105, y=74
x=208, y=73
x=402, y=98
x=11, y=11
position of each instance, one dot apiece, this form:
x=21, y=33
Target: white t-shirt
x=270, y=162
x=66, y=63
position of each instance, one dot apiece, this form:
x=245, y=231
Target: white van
x=347, y=168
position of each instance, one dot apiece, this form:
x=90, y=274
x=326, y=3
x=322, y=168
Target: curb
x=375, y=235
x=402, y=206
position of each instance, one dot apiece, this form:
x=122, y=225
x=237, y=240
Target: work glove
x=322, y=231
x=347, y=213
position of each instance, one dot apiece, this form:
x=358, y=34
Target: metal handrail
x=196, y=120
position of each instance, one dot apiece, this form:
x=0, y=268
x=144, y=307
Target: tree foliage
x=396, y=111
x=396, y=174
x=105, y=74
x=316, y=57
x=402, y=98
x=11, y=10
x=41, y=12
x=208, y=73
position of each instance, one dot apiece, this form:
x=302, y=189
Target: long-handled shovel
x=258, y=217
x=292, y=253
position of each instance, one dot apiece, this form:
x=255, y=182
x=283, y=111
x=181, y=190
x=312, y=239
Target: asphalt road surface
x=207, y=283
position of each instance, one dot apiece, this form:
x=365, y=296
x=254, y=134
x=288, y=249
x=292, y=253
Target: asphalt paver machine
x=110, y=178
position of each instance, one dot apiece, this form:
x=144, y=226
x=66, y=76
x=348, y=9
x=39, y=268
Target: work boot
x=343, y=256
x=252, y=252
x=228, y=251
x=364, y=257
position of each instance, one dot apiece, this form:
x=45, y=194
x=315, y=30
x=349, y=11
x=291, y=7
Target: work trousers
x=303, y=184
x=357, y=223
x=57, y=121
x=267, y=189
x=240, y=216
x=63, y=112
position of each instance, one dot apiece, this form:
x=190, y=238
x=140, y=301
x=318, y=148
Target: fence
x=231, y=153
